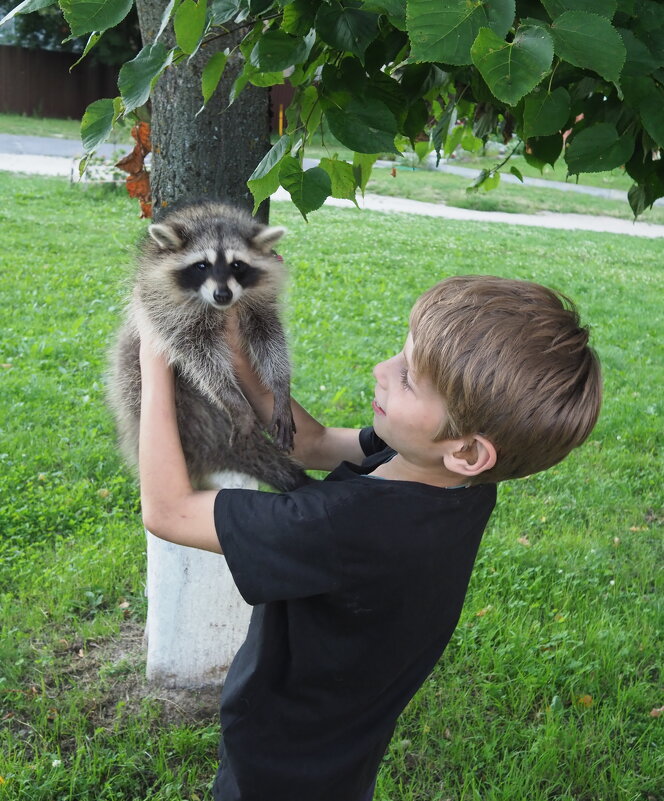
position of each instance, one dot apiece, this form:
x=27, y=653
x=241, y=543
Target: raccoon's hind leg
x=265, y=341
x=265, y=462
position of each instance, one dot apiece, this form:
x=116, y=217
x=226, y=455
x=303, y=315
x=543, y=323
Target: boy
x=358, y=581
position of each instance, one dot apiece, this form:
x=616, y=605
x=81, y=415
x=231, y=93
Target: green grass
x=425, y=185
x=565, y=601
x=614, y=179
x=437, y=187
x=24, y=125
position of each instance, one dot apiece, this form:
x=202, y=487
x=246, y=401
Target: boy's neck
x=400, y=469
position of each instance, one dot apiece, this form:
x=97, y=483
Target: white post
x=196, y=618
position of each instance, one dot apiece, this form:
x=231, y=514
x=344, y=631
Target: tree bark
x=209, y=156
x=197, y=619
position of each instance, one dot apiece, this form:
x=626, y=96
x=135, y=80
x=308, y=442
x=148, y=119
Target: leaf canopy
x=382, y=75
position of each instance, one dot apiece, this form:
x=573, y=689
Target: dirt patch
x=111, y=674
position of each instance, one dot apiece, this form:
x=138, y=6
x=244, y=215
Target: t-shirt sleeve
x=370, y=442
x=278, y=546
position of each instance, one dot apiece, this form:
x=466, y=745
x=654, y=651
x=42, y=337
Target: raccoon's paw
x=281, y=429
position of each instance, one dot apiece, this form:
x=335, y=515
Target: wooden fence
x=38, y=82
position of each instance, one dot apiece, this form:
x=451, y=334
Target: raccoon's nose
x=222, y=295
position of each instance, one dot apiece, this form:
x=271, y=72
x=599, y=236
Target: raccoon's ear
x=267, y=238
x=166, y=237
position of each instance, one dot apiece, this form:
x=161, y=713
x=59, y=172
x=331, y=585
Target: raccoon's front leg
x=264, y=338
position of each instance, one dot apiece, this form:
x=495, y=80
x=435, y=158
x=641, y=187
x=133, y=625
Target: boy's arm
x=172, y=509
x=315, y=446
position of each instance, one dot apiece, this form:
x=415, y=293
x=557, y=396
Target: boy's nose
x=379, y=372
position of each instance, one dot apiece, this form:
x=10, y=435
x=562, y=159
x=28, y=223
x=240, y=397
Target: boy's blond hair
x=512, y=363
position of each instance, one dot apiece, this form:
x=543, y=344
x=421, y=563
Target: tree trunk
x=196, y=617
x=209, y=156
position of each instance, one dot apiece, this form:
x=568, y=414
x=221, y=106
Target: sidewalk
x=43, y=156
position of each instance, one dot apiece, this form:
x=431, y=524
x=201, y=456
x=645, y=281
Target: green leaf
x=94, y=15
x=212, y=73
x=264, y=180
x=189, y=24
x=26, y=7
x=517, y=173
x=641, y=196
x=605, y=8
x=276, y=51
x=271, y=158
x=95, y=36
x=222, y=11
x=491, y=182
x=362, y=166
x=346, y=28
x=259, y=78
x=512, y=69
x=263, y=188
x=97, y=124
x=598, y=148
x=165, y=18
x=486, y=180
x=639, y=61
x=308, y=190
x=394, y=9
x=416, y=119
x=445, y=31
x=590, y=42
x=545, y=113
x=652, y=115
x=364, y=125
x=470, y=142
x=310, y=109
x=299, y=16
x=454, y=140
x=342, y=178
x=390, y=92
x=137, y=76
x=443, y=128
x=257, y=7
x=541, y=150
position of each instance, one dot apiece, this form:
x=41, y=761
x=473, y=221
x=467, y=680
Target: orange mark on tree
x=138, y=180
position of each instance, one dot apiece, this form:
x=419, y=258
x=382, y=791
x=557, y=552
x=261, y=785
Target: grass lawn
x=438, y=187
x=546, y=690
x=419, y=184
x=24, y=125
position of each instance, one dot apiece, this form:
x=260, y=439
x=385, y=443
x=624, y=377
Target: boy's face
x=408, y=411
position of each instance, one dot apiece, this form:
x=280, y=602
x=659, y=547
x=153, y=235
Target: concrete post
x=196, y=618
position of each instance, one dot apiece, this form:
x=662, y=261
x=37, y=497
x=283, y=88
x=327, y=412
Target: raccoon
x=195, y=265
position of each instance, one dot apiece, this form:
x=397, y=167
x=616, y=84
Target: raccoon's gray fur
x=196, y=264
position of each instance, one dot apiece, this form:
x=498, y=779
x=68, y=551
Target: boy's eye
x=404, y=378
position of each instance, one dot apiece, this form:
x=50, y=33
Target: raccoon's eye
x=237, y=266
x=201, y=265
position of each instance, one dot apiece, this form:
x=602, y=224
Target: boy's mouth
x=377, y=409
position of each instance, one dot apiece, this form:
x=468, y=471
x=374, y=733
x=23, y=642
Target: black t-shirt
x=357, y=584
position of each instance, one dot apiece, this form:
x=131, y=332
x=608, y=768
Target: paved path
x=26, y=154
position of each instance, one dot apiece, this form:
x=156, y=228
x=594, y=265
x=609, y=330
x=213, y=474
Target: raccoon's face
x=218, y=278
x=214, y=255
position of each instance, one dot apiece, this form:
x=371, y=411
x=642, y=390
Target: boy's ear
x=471, y=456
